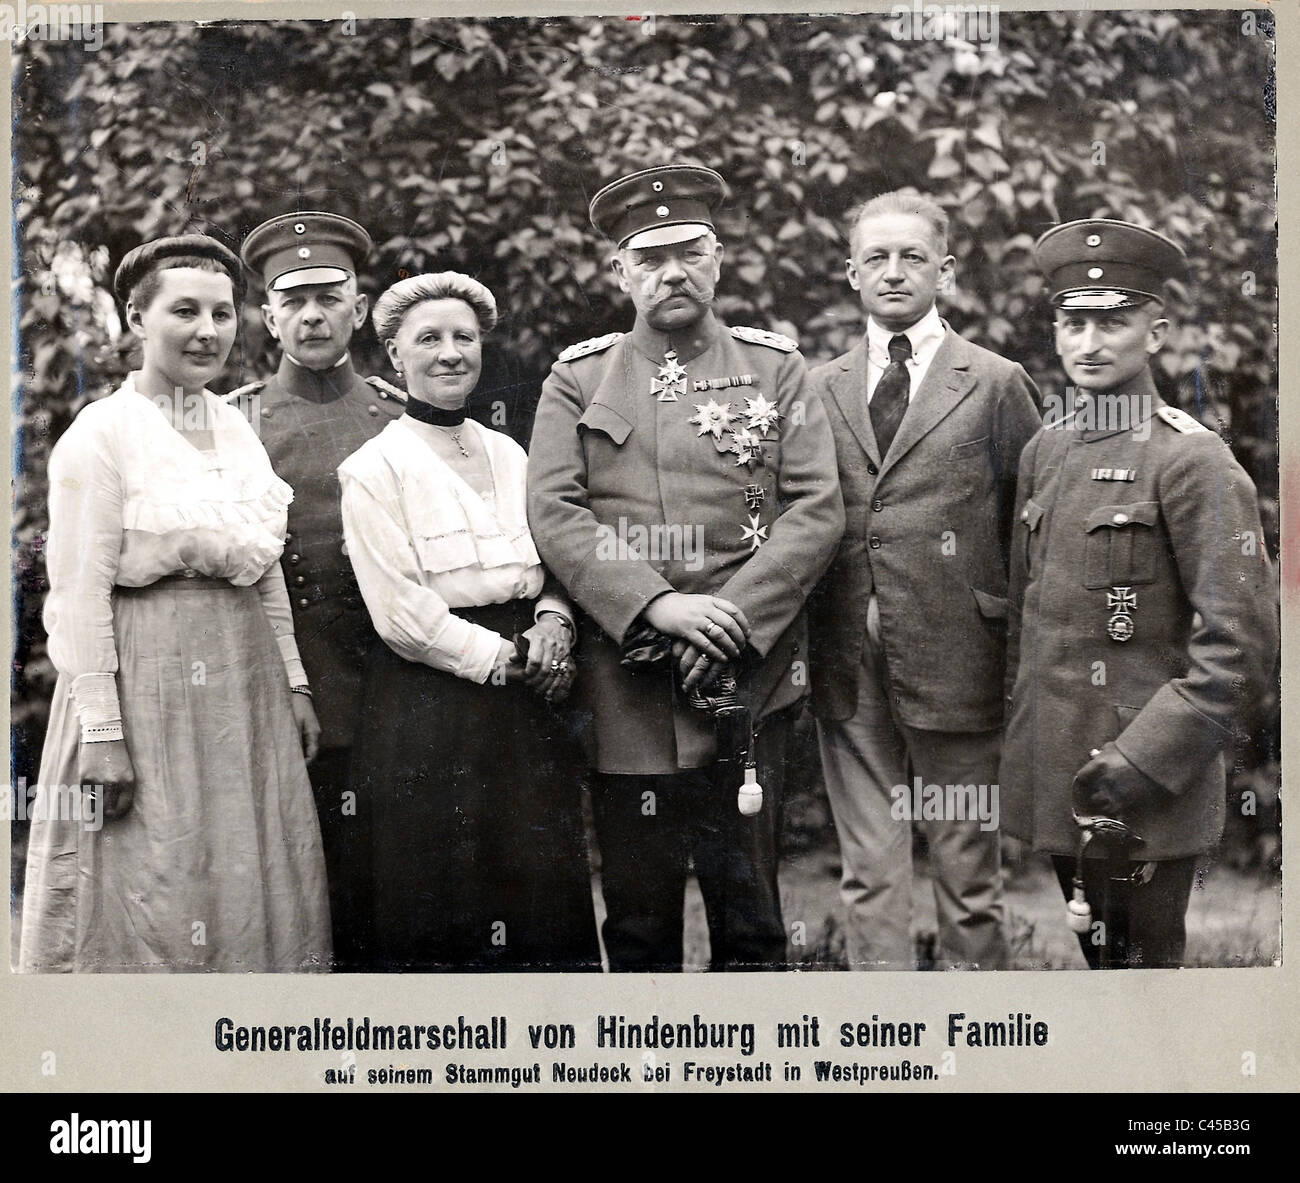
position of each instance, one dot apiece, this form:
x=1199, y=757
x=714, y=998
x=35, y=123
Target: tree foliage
x=476, y=145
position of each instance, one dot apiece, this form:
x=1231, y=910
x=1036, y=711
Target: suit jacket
x=1143, y=612
x=629, y=498
x=927, y=531
x=310, y=421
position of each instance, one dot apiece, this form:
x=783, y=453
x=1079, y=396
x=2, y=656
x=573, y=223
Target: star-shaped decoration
x=670, y=381
x=672, y=370
x=754, y=534
x=745, y=444
x=761, y=415
x=713, y=417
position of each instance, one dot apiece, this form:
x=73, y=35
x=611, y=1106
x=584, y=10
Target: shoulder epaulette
x=387, y=389
x=592, y=345
x=1181, y=420
x=763, y=337
x=240, y=391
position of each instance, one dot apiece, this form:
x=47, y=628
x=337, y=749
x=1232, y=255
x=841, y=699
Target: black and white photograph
x=648, y=496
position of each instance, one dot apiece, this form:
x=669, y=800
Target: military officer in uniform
x=314, y=413
x=682, y=485
x=1143, y=622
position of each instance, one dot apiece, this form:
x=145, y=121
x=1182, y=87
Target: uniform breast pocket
x=1121, y=546
x=605, y=421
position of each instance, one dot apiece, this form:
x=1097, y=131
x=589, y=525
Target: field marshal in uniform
x=683, y=486
x=1143, y=621
x=314, y=413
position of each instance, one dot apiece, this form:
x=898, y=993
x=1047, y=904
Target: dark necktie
x=889, y=400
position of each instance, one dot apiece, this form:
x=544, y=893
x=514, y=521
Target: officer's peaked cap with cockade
x=308, y=246
x=658, y=206
x=1101, y=263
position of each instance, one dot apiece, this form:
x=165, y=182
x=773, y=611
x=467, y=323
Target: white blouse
x=423, y=543
x=132, y=500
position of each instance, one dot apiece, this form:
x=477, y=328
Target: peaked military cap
x=1103, y=263
x=658, y=206
x=305, y=247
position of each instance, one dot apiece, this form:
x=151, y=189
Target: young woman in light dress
x=181, y=707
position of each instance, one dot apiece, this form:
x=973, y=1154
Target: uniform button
x=374, y=410
x=303, y=602
x=874, y=543
x=877, y=505
x=266, y=412
x=1024, y=515
x=295, y=559
x=872, y=469
x=1120, y=518
x=300, y=579
x=288, y=538
x=188, y=573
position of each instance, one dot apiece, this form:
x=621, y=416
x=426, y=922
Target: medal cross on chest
x=1121, y=601
x=670, y=382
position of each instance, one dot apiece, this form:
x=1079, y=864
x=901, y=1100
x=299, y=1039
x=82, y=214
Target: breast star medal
x=1121, y=601
x=754, y=534
x=761, y=415
x=712, y=417
x=671, y=379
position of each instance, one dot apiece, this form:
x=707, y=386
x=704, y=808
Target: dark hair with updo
x=138, y=275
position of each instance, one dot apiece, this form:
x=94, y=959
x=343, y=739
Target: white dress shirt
x=926, y=336
x=423, y=543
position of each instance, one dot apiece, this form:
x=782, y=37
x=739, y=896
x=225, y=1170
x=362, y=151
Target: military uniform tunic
x=310, y=421
x=632, y=495
x=1142, y=612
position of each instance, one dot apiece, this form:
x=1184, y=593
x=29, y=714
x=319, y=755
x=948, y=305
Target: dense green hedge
x=476, y=145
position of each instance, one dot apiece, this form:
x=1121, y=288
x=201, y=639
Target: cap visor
x=666, y=235
x=1102, y=298
x=305, y=275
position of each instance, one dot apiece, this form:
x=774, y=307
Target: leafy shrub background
x=475, y=145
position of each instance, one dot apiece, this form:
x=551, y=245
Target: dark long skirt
x=472, y=795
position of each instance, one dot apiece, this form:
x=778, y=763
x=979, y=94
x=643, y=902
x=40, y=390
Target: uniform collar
x=1099, y=414
x=316, y=385
x=687, y=344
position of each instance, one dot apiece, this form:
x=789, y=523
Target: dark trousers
x=344, y=835
x=651, y=829
x=1147, y=926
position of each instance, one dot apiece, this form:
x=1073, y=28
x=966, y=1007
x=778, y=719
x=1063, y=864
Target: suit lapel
x=849, y=390
x=946, y=383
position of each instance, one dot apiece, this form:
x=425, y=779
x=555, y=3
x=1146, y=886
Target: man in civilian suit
x=908, y=626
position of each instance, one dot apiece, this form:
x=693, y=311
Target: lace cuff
x=98, y=710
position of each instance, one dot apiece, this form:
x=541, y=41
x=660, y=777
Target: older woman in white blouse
x=464, y=766
x=175, y=827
